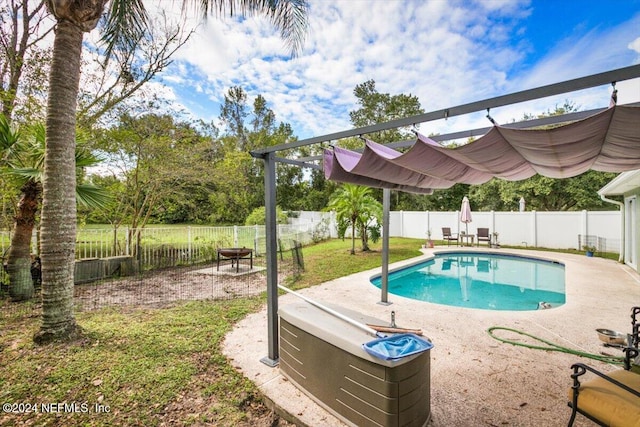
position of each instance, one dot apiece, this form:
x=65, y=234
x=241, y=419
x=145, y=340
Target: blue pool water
x=481, y=280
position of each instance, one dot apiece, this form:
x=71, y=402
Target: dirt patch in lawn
x=164, y=287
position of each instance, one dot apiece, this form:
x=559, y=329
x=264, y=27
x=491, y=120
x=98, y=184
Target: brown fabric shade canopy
x=608, y=141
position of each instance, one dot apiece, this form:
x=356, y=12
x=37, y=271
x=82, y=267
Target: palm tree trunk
x=353, y=237
x=58, y=231
x=365, y=238
x=19, y=256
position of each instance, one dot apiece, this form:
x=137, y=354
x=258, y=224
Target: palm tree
x=22, y=162
x=17, y=156
x=125, y=21
x=355, y=204
x=370, y=217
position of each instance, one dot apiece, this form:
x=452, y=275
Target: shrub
x=259, y=216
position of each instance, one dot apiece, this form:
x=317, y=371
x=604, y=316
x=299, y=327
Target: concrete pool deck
x=475, y=379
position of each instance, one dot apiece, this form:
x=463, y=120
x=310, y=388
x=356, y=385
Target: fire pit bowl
x=235, y=255
x=234, y=252
x=611, y=337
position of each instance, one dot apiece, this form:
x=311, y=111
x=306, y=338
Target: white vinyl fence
x=555, y=230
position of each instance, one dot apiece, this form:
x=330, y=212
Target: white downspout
x=622, y=233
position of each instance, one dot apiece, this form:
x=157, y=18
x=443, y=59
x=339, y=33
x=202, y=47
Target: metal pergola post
x=384, y=286
x=272, y=259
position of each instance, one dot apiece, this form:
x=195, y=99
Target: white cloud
x=445, y=52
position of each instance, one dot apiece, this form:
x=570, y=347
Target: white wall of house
x=626, y=188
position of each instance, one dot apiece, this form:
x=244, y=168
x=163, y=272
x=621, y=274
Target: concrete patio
x=475, y=379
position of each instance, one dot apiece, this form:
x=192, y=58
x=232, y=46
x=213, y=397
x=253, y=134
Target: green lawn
x=138, y=365
x=147, y=367
x=332, y=259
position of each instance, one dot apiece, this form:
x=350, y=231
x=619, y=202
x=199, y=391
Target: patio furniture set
x=467, y=239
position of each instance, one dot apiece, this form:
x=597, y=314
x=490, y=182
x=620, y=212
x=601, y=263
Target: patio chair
x=449, y=237
x=611, y=399
x=484, y=236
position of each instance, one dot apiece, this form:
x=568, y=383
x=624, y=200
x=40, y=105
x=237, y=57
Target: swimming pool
x=481, y=280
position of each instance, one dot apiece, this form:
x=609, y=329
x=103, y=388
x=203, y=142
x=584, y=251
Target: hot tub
x=323, y=356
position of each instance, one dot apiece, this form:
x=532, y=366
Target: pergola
x=609, y=141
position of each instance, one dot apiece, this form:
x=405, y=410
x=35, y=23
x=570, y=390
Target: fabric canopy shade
x=608, y=141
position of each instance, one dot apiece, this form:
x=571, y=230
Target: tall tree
x=25, y=60
x=159, y=160
x=23, y=24
x=318, y=193
x=247, y=129
x=264, y=118
x=126, y=20
x=234, y=113
x=235, y=192
x=117, y=86
x=376, y=107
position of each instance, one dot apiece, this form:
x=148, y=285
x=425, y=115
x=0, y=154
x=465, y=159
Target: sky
x=445, y=52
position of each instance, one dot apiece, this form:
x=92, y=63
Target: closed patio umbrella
x=465, y=214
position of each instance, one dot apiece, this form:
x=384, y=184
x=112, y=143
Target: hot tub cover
x=397, y=346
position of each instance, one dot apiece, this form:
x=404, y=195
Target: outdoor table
x=467, y=239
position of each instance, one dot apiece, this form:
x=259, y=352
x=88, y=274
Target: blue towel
x=397, y=346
